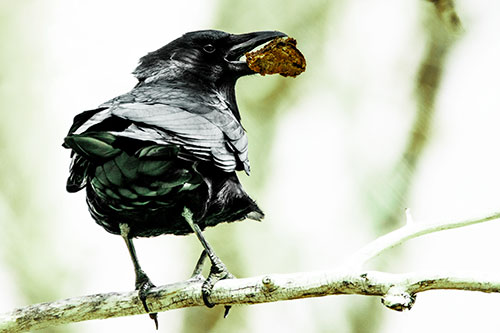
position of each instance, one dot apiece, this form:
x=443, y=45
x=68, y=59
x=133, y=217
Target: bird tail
x=256, y=215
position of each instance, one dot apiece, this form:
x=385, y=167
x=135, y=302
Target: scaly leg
x=199, y=266
x=142, y=282
x=218, y=271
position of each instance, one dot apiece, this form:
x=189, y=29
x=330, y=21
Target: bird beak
x=241, y=44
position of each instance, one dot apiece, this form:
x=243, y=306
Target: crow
x=162, y=158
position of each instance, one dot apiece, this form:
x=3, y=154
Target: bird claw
x=143, y=285
x=218, y=272
x=154, y=317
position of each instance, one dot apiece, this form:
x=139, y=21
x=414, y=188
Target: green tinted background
x=394, y=111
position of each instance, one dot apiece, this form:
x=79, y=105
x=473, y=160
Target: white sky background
x=91, y=47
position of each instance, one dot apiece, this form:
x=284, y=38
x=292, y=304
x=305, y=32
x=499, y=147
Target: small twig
x=409, y=231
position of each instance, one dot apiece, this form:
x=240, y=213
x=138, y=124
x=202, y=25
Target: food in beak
x=280, y=56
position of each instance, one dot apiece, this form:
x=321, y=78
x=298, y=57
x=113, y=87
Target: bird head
x=209, y=56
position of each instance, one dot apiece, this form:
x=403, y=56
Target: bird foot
x=218, y=272
x=143, y=285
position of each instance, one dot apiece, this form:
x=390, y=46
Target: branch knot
x=398, y=298
x=268, y=284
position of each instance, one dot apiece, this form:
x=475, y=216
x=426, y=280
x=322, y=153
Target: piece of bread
x=280, y=56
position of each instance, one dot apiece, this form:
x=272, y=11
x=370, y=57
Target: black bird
x=165, y=154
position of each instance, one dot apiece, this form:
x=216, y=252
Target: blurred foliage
x=396, y=186
x=445, y=9
x=391, y=195
x=27, y=219
x=27, y=240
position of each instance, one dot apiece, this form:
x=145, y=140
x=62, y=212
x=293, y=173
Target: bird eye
x=209, y=48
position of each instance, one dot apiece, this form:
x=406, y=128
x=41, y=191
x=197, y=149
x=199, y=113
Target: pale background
x=325, y=151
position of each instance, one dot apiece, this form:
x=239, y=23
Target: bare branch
x=397, y=291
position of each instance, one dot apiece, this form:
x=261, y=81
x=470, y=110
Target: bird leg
x=142, y=282
x=218, y=271
x=199, y=266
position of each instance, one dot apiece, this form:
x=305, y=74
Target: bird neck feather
x=227, y=90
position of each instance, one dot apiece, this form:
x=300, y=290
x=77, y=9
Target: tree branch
x=398, y=291
x=409, y=231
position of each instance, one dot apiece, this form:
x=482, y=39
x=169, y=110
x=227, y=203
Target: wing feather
x=205, y=135
x=206, y=132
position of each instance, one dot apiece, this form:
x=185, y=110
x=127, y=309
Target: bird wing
x=207, y=134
